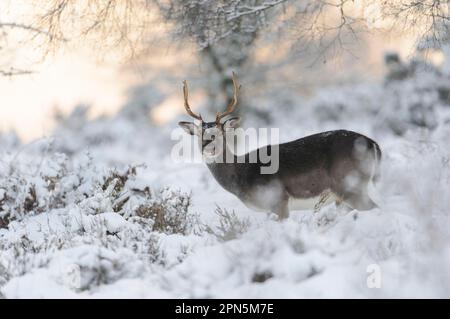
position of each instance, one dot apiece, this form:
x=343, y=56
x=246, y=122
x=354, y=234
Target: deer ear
x=232, y=123
x=189, y=127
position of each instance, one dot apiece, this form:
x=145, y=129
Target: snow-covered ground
x=100, y=209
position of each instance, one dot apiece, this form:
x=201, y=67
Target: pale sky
x=27, y=101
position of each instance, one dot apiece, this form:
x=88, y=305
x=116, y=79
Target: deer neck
x=224, y=169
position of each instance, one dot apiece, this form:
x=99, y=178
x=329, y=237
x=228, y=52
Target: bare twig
x=26, y=27
x=14, y=72
x=248, y=10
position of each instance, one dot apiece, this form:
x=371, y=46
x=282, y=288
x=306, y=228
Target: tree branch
x=14, y=25
x=252, y=10
x=14, y=72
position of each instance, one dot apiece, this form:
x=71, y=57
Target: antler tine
x=186, y=103
x=232, y=105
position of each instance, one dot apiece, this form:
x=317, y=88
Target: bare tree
x=425, y=17
x=105, y=24
x=7, y=67
x=224, y=32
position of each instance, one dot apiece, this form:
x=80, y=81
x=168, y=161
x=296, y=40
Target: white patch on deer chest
x=265, y=197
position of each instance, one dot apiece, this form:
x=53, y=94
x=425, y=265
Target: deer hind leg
x=359, y=203
x=341, y=205
x=339, y=200
x=359, y=199
x=353, y=191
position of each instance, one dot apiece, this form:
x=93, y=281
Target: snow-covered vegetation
x=100, y=209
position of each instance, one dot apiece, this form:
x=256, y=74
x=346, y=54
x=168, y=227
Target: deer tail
x=375, y=174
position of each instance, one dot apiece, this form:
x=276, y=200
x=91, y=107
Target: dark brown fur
x=307, y=167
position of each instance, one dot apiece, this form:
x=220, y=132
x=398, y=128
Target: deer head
x=211, y=135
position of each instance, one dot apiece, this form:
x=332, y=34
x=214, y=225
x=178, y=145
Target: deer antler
x=186, y=103
x=233, y=102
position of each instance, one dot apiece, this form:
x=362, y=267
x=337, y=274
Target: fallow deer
x=313, y=171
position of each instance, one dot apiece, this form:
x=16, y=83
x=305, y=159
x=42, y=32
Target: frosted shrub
x=107, y=137
x=103, y=266
x=230, y=225
x=22, y=191
x=36, y=186
x=4, y=276
x=169, y=212
x=64, y=183
x=105, y=221
x=398, y=105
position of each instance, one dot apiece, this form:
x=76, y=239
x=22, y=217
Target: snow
x=83, y=208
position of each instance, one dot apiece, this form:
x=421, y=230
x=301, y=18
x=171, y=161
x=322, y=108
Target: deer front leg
x=281, y=209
